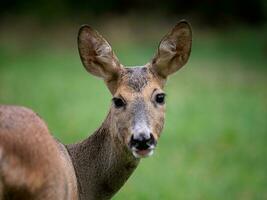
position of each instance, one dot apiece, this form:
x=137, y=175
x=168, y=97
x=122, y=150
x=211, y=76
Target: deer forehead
x=137, y=82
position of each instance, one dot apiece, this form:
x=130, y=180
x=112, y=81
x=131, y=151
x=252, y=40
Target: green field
x=214, y=144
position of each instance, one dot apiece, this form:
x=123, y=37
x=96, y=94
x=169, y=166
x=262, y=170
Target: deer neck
x=102, y=164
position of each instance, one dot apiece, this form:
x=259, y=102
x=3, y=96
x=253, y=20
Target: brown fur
x=104, y=171
x=30, y=171
x=35, y=166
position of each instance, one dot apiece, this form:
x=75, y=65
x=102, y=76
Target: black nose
x=142, y=142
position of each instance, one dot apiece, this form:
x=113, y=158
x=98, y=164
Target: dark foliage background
x=211, y=12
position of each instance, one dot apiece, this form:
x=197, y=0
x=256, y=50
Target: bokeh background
x=214, y=145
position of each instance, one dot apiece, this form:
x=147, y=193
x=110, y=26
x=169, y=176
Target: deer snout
x=142, y=145
x=142, y=142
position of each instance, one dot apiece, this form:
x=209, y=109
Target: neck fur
x=102, y=164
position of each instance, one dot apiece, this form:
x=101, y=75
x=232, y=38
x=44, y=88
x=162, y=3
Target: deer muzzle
x=143, y=145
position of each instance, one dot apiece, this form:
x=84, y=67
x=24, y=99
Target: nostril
x=133, y=142
x=151, y=140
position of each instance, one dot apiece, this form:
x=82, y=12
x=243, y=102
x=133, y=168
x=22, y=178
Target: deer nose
x=142, y=141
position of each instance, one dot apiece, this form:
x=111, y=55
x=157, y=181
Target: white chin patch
x=143, y=154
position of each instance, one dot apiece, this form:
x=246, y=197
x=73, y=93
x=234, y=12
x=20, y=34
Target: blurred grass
x=214, y=142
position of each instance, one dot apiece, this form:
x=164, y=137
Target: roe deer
x=35, y=166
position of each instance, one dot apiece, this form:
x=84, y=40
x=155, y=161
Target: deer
x=36, y=166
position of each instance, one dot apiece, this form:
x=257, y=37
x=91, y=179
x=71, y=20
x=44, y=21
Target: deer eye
x=160, y=98
x=118, y=102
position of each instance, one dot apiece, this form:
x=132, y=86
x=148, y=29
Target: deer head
x=138, y=105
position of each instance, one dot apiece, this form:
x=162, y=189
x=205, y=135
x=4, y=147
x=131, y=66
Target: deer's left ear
x=174, y=50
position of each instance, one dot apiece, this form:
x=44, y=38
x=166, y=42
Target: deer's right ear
x=97, y=56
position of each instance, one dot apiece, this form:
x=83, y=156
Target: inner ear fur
x=174, y=50
x=98, y=57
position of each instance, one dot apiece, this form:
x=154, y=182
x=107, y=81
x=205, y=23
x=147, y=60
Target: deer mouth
x=142, y=147
x=142, y=153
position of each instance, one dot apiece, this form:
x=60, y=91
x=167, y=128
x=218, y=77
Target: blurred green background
x=214, y=145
